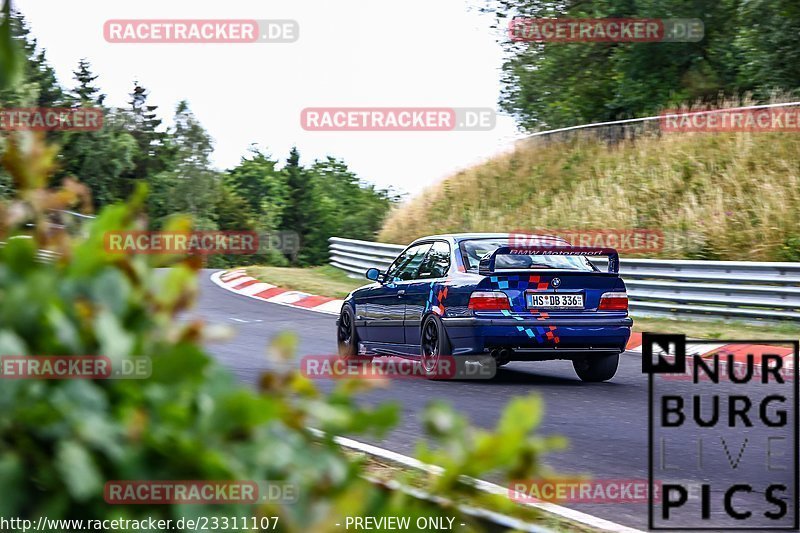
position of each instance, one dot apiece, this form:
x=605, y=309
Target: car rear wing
x=487, y=264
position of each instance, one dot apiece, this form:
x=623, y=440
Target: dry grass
x=321, y=281
x=729, y=196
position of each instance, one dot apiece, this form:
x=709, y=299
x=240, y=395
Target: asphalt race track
x=606, y=423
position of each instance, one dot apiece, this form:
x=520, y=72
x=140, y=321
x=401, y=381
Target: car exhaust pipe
x=501, y=356
x=505, y=356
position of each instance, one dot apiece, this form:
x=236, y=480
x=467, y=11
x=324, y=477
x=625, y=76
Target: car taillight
x=614, y=301
x=489, y=301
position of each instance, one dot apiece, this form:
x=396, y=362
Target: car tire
x=594, y=369
x=433, y=344
x=346, y=333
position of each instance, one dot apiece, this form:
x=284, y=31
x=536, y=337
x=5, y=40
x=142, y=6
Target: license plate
x=555, y=301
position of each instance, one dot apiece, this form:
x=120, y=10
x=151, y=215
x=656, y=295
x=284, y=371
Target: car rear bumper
x=551, y=338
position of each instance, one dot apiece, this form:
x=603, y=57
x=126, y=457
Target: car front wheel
x=594, y=369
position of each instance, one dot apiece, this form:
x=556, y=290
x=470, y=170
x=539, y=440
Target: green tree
x=37, y=84
x=86, y=92
x=256, y=180
x=768, y=45
x=339, y=205
x=233, y=212
x=189, y=185
x=152, y=155
x=50, y=93
x=299, y=197
x=101, y=158
x=12, y=55
x=318, y=202
x=748, y=46
x=14, y=90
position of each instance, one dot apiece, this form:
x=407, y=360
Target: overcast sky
x=356, y=53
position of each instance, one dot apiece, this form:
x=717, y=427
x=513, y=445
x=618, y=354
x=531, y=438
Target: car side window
x=437, y=263
x=407, y=265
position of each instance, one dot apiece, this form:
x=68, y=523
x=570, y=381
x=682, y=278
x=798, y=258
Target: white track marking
x=243, y=321
x=564, y=512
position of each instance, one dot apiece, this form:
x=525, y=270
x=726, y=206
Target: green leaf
x=521, y=415
x=78, y=470
x=11, y=344
x=115, y=342
x=12, y=477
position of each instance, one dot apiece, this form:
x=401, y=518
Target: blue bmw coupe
x=484, y=293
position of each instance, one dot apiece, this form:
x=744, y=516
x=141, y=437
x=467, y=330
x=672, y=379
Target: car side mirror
x=373, y=274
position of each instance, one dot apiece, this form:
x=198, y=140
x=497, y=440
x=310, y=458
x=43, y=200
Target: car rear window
x=474, y=249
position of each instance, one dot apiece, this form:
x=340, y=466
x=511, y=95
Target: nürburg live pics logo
x=722, y=433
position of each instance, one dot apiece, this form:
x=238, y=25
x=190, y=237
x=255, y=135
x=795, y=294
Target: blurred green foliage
x=61, y=441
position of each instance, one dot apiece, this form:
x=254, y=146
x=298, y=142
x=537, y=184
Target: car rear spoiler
x=487, y=264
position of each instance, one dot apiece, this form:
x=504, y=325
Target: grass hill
x=727, y=196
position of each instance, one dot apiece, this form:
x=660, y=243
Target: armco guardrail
x=49, y=256
x=716, y=289
x=356, y=257
x=42, y=256
x=616, y=130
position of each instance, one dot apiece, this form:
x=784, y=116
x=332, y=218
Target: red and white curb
x=239, y=282
x=739, y=351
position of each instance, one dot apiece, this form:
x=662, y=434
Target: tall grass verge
x=727, y=196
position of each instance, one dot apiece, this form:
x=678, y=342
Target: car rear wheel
x=433, y=345
x=346, y=334
x=594, y=369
